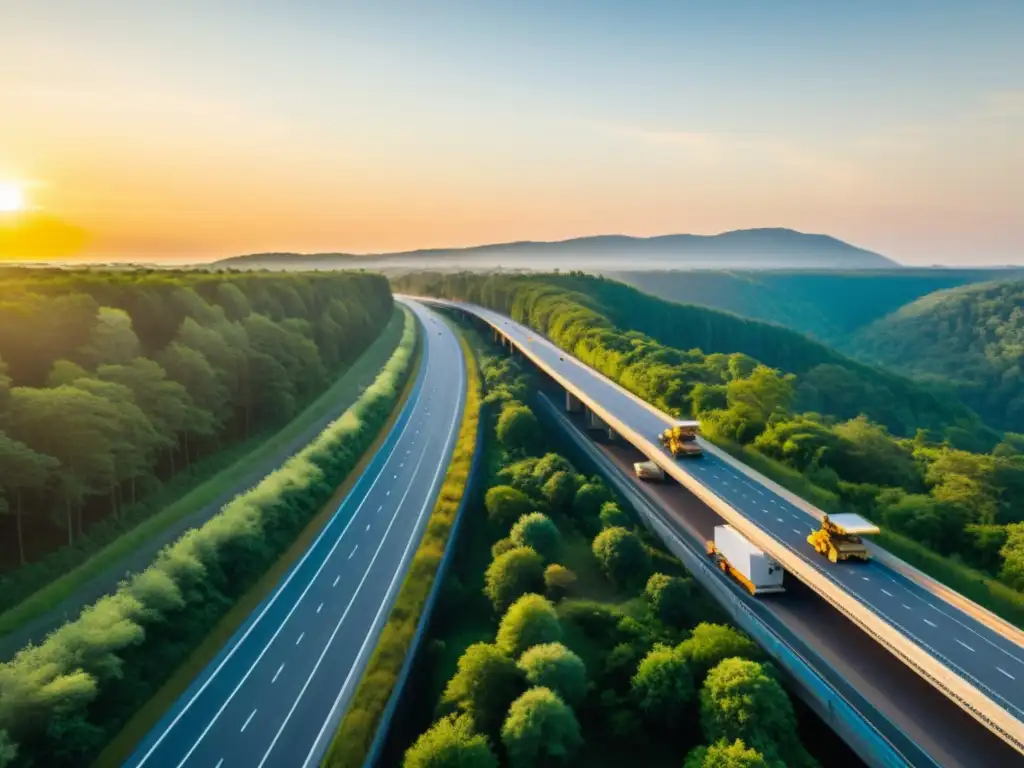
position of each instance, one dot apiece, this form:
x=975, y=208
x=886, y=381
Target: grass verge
x=358, y=728
x=262, y=451
x=121, y=747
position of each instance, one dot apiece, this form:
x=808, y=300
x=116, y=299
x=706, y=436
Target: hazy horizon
x=194, y=131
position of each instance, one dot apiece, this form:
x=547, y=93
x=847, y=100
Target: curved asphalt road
x=275, y=693
x=991, y=662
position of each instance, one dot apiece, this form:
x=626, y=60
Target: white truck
x=648, y=470
x=757, y=571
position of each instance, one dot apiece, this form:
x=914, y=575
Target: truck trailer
x=681, y=439
x=839, y=538
x=648, y=470
x=758, y=572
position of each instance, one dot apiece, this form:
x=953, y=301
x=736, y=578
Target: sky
x=199, y=129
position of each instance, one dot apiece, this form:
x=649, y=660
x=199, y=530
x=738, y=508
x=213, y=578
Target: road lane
x=999, y=671
x=274, y=694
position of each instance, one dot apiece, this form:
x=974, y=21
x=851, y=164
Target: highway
x=275, y=693
x=985, y=658
x=908, y=707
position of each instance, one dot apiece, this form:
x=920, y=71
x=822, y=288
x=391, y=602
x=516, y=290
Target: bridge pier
x=572, y=403
x=596, y=423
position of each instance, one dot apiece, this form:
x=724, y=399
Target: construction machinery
x=839, y=538
x=648, y=470
x=757, y=571
x=681, y=439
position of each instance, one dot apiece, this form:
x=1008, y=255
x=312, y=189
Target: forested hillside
x=111, y=383
x=825, y=305
x=770, y=394
x=971, y=338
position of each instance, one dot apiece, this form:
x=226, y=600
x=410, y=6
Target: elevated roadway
x=976, y=662
x=275, y=693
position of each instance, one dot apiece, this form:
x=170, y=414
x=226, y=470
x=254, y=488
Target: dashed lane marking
x=887, y=592
x=1006, y=673
x=248, y=720
x=965, y=645
x=277, y=674
x=353, y=552
x=319, y=607
x=300, y=638
x=931, y=624
x=336, y=578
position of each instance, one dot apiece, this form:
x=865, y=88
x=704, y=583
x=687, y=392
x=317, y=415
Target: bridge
x=959, y=649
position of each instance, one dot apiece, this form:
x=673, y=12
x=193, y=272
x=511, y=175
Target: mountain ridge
x=754, y=248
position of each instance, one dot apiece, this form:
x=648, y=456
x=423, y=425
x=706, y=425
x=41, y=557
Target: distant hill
x=739, y=249
x=828, y=305
x=971, y=338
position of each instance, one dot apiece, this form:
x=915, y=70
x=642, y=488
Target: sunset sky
x=197, y=129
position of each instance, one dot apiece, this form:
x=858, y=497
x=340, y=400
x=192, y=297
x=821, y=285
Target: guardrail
x=836, y=708
x=970, y=698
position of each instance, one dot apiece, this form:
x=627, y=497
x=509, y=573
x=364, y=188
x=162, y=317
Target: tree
x=505, y=505
x=622, y=556
x=708, y=397
x=512, y=574
x=501, y=546
x=722, y=754
x=22, y=469
x=559, y=491
x=589, y=499
x=710, y=644
x=613, y=517
x=537, y=531
x=531, y=620
x=8, y=750
x=112, y=340
x=765, y=391
x=671, y=598
x=451, y=743
x=559, y=581
x=663, y=685
x=485, y=683
x=517, y=428
x=540, y=730
x=554, y=666
x=741, y=700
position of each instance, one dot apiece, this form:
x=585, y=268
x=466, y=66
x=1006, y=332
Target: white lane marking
x=865, y=578
x=773, y=501
x=887, y=592
x=277, y=674
x=300, y=638
x=367, y=526
x=352, y=552
x=388, y=493
x=931, y=624
x=907, y=607
x=395, y=477
x=247, y=721
x=266, y=608
x=1006, y=673
x=219, y=763
x=779, y=519
x=369, y=635
x=336, y=578
x=795, y=531
x=965, y=645
x=319, y=607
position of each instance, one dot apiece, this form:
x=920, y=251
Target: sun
x=11, y=198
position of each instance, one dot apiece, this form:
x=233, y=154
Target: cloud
x=34, y=236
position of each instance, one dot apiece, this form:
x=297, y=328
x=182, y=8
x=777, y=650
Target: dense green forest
x=111, y=383
x=971, y=338
x=825, y=305
x=865, y=440
x=63, y=700
x=566, y=636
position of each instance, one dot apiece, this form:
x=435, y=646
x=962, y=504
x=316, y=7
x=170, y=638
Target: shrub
x=451, y=742
x=622, y=556
x=589, y=499
x=531, y=620
x=540, y=729
x=538, y=532
x=501, y=546
x=517, y=428
x=663, y=685
x=512, y=574
x=559, y=581
x=485, y=683
x=505, y=505
x=559, y=491
x=612, y=516
x=554, y=666
x=598, y=621
x=670, y=598
x=710, y=644
x=722, y=754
